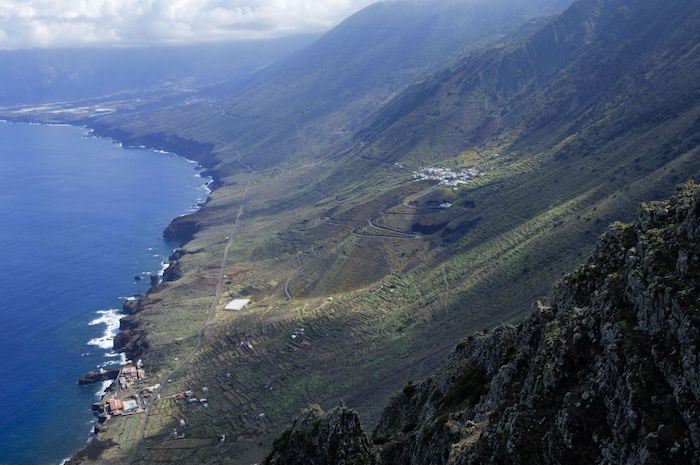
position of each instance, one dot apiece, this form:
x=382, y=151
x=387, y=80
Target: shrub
x=469, y=385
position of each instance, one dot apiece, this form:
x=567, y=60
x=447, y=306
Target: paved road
x=371, y=223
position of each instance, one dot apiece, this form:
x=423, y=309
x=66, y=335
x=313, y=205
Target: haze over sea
x=80, y=218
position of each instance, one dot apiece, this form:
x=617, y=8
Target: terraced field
x=382, y=281
x=375, y=310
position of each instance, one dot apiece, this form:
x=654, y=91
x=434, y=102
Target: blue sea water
x=80, y=217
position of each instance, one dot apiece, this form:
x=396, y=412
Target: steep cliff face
x=606, y=371
x=323, y=438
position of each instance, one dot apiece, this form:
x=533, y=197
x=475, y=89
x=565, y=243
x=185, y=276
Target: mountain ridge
x=40, y=76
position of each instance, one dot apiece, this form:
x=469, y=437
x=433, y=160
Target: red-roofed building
x=116, y=406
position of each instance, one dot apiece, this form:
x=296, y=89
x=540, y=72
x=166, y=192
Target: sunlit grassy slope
x=569, y=121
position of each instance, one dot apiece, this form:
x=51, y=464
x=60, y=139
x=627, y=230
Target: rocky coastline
x=98, y=376
x=131, y=340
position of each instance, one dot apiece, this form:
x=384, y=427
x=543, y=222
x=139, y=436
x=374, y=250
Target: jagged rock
x=181, y=230
x=606, y=372
x=98, y=376
x=128, y=322
x=173, y=272
x=132, y=342
x=335, y=437
x=131, y=307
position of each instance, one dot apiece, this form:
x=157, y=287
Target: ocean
x=80, y=218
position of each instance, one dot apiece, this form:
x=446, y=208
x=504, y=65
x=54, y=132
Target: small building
x=116, y=406
x=237, y=304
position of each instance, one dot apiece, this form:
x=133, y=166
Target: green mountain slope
x=550, y=121
x=594, y=62
x=604, y=372
x=311, y=102
x=563, y=144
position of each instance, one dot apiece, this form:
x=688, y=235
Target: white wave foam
x=206, y=186
x=103, y=388
x=109, y=363
x=109, y=318
x=163, y=267
x=120, y=356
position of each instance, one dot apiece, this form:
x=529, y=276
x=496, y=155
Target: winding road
x=403, y=234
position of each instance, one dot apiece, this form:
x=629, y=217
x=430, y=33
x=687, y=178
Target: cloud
x=67, y=23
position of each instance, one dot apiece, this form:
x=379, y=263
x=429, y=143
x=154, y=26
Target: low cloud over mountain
x=68, y=23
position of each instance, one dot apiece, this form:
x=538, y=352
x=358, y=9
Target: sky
x=75, y=23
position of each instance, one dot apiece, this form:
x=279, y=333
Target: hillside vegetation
x=418, y=174
x=604, y=371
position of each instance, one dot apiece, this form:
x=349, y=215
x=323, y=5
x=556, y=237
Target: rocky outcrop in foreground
x=320, y=438
x=606, y=372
